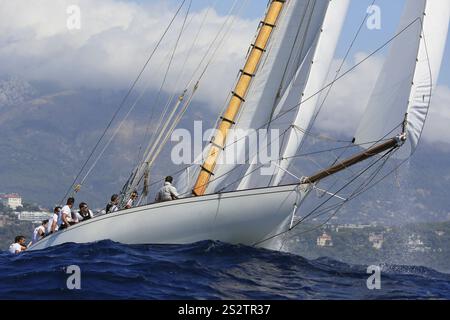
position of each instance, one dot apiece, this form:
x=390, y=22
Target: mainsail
x=409, y=75
x=282, y=76
x=292, y=121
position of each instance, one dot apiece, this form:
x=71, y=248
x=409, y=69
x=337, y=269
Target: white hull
x=244, y=217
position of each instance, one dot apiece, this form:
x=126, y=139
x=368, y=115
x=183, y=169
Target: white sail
x=295, y=34
x=292, y=119
x=408, y=76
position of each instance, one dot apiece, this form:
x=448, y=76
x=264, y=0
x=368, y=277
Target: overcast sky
x=116, y=37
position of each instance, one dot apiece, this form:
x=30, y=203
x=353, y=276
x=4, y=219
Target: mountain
x=14, y=91
x=47, y=133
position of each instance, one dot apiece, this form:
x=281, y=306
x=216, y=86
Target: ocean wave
x=203, y=270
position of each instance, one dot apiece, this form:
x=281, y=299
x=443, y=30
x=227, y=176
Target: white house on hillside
x=12, y=200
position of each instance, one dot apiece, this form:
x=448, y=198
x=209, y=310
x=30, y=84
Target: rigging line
x=184, y=65
x=319, y=136
x=153, y=98
x=239, y=166
x=244, y=3
x=214, y=54
x=339, y=78
x=222, y=28
x=339, y=206
x=183, y=70
x=207, y=52
x=349, y=146
x=337, y=74
x=342, y=63
x=346, y=185
x=168, y=70
x=409, y=157
x=333, y=149
x=359, y=190
x=156, y=152
x=258, y=167
x=174, y=125
x=298, y=61
x=293, y=47
x=355, y=193
x=246, y=174
x=131, y=110
x=124, y=100
x=283, y=134
x=149, y=120
x=301, y=220
x=384, y=177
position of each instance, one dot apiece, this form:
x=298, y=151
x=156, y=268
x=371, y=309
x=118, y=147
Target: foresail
x=410, y=72
x=296, y=33
x=431, y=53
x=291, y=121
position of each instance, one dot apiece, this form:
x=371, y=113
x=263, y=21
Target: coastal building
x=34, y=216
x=354, y=226
x=12, y=200
x=415, y=244
x=377, y=240
x=324, y=240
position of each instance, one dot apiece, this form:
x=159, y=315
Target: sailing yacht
x=282, y=86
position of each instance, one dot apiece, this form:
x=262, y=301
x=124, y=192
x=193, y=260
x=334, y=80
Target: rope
x=206, y=67
x=334, y=81
x=137, y=100
x=181, y=74
x=166, y=75
x=320, y=205
x=123, y=101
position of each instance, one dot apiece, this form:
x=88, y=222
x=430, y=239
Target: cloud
x=116, y=38
x=114, y=41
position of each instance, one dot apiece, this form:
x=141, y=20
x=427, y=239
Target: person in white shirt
x=39, y=232
x=168, y=192
x=55, y=221
x=18, y=246
x=132, y=200
x=66, y=214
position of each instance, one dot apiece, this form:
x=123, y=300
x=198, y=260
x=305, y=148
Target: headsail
x=408, y=76
x=309, y=80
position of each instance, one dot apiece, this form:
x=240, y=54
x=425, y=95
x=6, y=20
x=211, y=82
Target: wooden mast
x=239, y=94
x=364, y=155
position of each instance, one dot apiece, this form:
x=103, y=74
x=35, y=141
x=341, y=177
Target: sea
x=204, y=270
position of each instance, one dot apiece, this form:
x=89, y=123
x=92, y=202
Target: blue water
x=204, y=270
